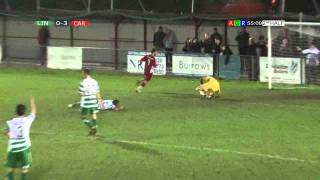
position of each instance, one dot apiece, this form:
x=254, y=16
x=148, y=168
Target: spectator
x=312, y=52
x=296, y=39
x=43, y=40
x=312, y=63
x=252, y=60
x=216, y=35
x=207, y=44
x=169, y=41
x=252, y=47
x=216, y=52
x=158, y=39
x=262, y=49
x=243, y=44
x=284, y=49
x=225, y=50
x=187, y=46
x=284, y=33
x=243, y=41
x=217, y=46
x=196, y=46
x=317, y=40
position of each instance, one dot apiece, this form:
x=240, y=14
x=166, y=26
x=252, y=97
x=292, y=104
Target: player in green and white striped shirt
x=19, y=146
x=89, y=103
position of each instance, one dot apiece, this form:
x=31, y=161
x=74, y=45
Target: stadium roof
x=164, y=10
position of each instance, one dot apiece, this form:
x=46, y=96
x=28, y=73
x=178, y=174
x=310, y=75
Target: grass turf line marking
x=268, y=156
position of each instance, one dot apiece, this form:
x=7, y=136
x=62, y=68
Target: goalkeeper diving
x=209, y=88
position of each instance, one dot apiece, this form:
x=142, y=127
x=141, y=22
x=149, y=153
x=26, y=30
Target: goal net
x=293, y=58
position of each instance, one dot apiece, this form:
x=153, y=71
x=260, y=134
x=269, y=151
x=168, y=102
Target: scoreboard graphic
x=245, y=23
x=63, y=23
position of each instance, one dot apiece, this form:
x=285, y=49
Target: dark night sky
x=295, y=6
x=174, y=6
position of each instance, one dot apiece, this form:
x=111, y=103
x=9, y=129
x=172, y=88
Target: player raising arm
x=90, y=99
x=19, y=146
x=150, y=64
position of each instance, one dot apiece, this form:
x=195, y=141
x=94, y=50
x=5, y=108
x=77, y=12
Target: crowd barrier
x=285, y=70
x=192, y=64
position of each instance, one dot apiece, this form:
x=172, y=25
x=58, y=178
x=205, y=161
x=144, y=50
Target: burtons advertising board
x=192, y=65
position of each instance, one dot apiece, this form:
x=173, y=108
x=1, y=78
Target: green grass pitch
x=166, y=132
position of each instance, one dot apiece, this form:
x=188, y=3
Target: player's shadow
x=179, y=95
x=230, y=100
x=184, y=96
x=39, y=172
x=132, y=147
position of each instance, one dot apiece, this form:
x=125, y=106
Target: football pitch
x=166, y=132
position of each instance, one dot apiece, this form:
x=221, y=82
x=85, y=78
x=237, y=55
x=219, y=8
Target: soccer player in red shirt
x=150, y=64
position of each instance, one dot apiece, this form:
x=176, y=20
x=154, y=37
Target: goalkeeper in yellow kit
x=209, y=88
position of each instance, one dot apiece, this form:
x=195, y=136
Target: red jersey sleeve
x=155, y=63
x=144, y=58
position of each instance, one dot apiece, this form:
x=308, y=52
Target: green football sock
x=10, y=175
x=87, y=122
x=93, y=123
x=23, y=176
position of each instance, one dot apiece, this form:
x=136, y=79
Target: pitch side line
x=268, y=156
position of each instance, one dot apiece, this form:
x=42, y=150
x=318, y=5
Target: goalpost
x=285, y=63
